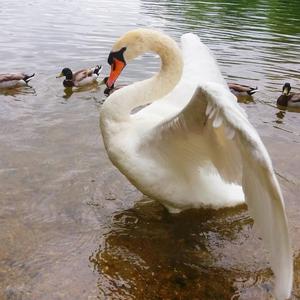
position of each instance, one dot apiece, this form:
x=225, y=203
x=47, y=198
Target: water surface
x=71, y=226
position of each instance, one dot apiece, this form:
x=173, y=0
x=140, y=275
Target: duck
x=287, y=98
x=80, y=78
x=11, y=80
x=193, y=145
x=241, y=89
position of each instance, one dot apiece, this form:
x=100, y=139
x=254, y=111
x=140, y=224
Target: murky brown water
x=71, y=226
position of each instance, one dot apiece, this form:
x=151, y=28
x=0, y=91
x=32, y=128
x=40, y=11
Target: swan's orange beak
x=116, y=68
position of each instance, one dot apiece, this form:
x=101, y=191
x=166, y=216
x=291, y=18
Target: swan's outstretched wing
x=213, y=128
x=200, y=65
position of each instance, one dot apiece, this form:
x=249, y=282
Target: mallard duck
x=11, y=80
x=287, y=98
x=81, y=77
x=241, y=89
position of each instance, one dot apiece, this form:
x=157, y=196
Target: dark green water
x=71, y=226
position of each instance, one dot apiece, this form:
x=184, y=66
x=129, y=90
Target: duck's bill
x=116, y=68
x=60, y=75
x=286, y=91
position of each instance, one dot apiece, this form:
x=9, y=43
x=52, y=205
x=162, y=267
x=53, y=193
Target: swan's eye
x=117, y=54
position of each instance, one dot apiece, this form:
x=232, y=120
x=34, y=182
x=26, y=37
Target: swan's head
x=128, y=47
x=117, y=63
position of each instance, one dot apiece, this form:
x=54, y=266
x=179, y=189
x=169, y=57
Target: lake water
x=71, y=226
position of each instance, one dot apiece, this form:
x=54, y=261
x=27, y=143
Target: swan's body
x=195, y=146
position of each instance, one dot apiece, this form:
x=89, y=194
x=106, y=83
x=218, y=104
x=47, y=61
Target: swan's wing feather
x=199, y=62
x=213, y=127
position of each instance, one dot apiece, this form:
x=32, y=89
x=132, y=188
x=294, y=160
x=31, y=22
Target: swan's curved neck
x=119, y=105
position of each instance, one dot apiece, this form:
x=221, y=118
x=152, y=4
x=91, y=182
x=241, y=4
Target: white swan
x=194, y=145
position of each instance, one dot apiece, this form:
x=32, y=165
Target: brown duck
x=242, y=90
x=287, y=98
x=11, y=80
x=81, y=77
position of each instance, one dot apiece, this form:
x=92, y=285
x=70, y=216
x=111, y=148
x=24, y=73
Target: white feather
x=195, y=146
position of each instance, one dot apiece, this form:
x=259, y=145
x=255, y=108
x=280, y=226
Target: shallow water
x=71, y=226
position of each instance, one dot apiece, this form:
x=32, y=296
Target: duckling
x=11, y=80
x=242, y=90
x=287, y=98
x=81, y=77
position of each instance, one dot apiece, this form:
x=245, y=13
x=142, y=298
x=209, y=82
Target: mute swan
x=287, y=98
x=241, y=89
x=11, y=80
x=193, y=145
x=81, y=77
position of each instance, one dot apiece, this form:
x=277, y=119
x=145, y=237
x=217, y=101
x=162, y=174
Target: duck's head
x=286, y=88
x=129, y=46
x=67, y=73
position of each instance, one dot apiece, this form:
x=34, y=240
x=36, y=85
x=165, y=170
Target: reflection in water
x=67, y=93
x=245, y=99
x=93, y=87
x=150, y=254
x=280, y=115
x=290, y=109
x=296, y=291
x=20, y=90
